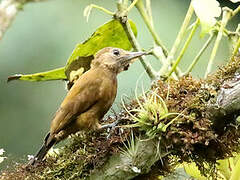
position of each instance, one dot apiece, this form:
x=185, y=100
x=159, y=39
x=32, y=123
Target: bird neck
x=107, y=73
x=110, y=69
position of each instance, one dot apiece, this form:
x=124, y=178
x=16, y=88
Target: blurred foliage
x=226, y=169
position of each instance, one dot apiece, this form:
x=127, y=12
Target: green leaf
x=206, y=11
x=225, y=166
x=110, y=34
x=55, y=74
x=192, y=170
x=236, y=172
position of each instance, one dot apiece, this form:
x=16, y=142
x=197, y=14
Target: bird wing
x=82, y=96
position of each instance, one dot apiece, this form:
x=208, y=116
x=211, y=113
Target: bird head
x=115, y=59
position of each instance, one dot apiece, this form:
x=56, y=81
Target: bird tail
x=48, y=143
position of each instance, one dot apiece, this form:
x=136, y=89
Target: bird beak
x=126, y=59
x=133, y=55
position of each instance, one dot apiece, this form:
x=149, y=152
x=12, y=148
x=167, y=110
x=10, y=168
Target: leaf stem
x=205, y=46
x=147, y=20
x=149, y=11
x=237, y=45
x=121, y=16
x=225, y=18
x=235, y=12
x=136, y=47
x=184, y=48
x=101, y=9
x=125, y=3
x=176, y=44
x=235, y=51
x=132, y=5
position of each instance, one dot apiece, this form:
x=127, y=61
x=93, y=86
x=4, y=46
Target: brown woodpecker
x=89, y=99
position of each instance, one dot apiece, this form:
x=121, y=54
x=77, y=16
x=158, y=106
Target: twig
x=89, y=7
x=184, y=48
x=236, y=49
x=200, y=53
x=235, y=12
x=150, y=27
x=225, y=18
x=121, y=16
x=149, y=10
x=8, y=12
x=237, y=45
x=180, y=36
x=132, y=5
x=136, y=46
x=147, y=18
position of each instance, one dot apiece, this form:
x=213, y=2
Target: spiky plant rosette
x=177, y=113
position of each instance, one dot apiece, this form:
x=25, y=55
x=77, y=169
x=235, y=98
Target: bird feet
x=112, y=126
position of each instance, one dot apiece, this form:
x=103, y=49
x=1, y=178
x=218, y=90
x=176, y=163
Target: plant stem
x=150, y=27
x=184, y=47
x=149, y=11
x=121, y=16
x=125, y=3
x=205, y=46
x=225, y=18
x=132, y=5
x=136, y=47
x=180, y=36
x=101, y=9
x=235, y=51
x=147, y=18
x=235, y=12
x=237, y=45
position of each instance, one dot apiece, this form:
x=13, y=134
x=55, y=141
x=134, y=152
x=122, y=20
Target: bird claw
x=33, y=163
x=112, y=126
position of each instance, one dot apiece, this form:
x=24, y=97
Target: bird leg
x=112, y=125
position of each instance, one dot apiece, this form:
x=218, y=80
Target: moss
x=190, y=137
x=84, y=152
x=225, y=72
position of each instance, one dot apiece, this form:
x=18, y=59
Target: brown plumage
x=89, y=99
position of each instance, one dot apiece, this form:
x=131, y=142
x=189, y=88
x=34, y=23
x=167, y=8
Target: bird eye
x=116, y=52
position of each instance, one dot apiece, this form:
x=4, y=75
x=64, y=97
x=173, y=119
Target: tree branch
x=8, y=12
x=124, y=167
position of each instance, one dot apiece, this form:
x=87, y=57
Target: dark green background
x=43, y=36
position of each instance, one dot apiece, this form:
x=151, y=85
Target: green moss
x=190, y=137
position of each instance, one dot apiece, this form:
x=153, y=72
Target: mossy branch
x=207, y=130
x=123, y=167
